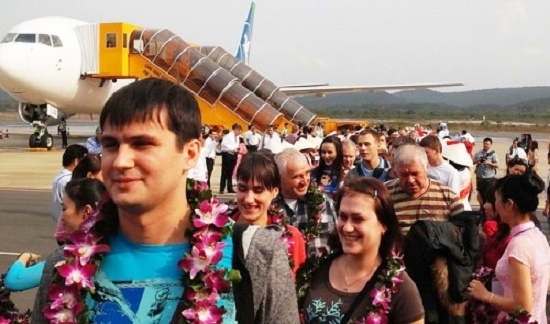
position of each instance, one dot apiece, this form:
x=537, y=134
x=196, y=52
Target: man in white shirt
x=209, y=151
x=270, y=135
x=514, y=151
x=251, y=139
x=229, y=148
x=439, y=169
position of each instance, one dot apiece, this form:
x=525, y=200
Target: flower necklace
x=8, y=311
x=385, y=287
x=276, y=216
x=315, y=205
x=203, y=282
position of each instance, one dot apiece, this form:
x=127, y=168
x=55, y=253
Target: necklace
x=348, y=284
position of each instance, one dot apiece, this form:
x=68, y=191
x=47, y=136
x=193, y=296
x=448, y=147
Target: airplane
x=56, y=67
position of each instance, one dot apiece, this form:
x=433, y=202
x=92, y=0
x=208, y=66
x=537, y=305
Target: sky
x=484, y=43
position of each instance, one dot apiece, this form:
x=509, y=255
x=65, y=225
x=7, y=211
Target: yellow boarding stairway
x=121, y=50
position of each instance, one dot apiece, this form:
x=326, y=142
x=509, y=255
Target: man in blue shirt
x=93, y=144
x=150, y=141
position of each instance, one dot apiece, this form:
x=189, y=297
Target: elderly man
x=296, y=195
x=349, y=154
x=372, y=164
x=415, y=196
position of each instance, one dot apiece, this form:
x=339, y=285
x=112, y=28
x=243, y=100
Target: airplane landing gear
x=40, y=137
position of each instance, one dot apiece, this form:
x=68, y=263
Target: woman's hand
x=478, y=291
x=28, y=259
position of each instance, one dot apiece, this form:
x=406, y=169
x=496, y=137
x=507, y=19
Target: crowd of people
x=370, y=226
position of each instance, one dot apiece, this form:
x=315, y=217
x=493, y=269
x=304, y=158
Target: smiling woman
x=257, y=187
x=365, y=279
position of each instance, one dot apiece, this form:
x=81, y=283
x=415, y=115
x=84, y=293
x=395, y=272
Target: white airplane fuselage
x=36, y=73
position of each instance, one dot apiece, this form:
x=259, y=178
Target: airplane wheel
x=32, y=140
x=47, y=141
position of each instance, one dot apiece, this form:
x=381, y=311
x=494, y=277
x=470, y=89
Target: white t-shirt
x=199, y=172
x=446, y=175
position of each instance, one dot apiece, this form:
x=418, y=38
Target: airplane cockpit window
x=9, y=38
x=111, y=40
x=26, y=38
x=56, y=41
x=44, y=39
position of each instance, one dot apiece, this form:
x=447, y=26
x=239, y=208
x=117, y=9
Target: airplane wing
x=322, y=90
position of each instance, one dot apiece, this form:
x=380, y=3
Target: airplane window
x=26, y=38
x=44, y=39
x=111, y=40
x=56, y=41
x=125, y=40
x=9, y=38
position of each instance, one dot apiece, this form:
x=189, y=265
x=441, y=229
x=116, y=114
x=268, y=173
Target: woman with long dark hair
x=330, y=172
x=524, y=269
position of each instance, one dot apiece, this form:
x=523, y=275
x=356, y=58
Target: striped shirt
x=438, y=203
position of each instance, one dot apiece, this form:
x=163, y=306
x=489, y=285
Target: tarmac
x=25, y=193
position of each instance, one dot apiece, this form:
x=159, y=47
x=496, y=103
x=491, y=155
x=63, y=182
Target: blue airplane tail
x=243, y=50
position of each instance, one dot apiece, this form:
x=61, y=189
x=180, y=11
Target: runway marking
x=25, y=189
x=9, y=253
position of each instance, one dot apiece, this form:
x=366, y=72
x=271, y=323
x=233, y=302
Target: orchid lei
x=315, y=205
x=384, y=288
x=480, y=312
x=277, y=216
x=203, y=282
x=8, y=311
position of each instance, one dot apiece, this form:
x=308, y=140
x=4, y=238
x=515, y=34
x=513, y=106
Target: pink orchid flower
x=84, y=246
x=73, y=274
x=195, y=262
x=66, y=316
x=207, y=236
x=379, y=297
x=376, y=318
x=204, y=312
x=216, y=279
x=4, y=320
x=211, y=212
x=64, y=297
x=212, y=250
x=203, y=294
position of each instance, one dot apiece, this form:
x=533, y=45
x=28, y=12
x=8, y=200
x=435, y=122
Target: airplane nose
x=13, y=67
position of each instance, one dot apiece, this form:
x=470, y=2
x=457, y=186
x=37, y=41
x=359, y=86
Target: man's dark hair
x=488, y=139
x=236, y=127
x=146, y=100
x=72, y=152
